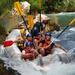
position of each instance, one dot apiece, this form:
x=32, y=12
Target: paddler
x=39, y=25
x=29, y=53
x=10, y=44
x=37, y=39
x=46, y=46
x=25, y=32
x=20, y=44
x=29, y=37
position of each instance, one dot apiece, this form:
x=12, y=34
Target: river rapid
x=67, y=40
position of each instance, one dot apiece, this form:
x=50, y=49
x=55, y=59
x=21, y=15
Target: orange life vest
x=37, y=39
x=29, y=54
x=47, y=50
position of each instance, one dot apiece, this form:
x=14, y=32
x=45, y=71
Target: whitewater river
x=67, y=40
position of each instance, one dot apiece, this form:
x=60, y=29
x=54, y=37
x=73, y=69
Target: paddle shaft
x=62, y=32
x=24, y=21
x=52, y=44
x=66, y=27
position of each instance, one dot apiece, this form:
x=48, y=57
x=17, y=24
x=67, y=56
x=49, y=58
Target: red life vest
x=29, y=54
x=28, y=50
x=47, y=50
x=7, y=43
x=37, y=39
x=45, y=43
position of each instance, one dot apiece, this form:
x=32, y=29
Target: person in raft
x=29, y=37
x=46, y=46
x=10, y=43
x=37, y=39
x=29, y=53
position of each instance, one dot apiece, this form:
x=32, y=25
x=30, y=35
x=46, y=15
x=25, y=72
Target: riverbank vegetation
x=47, y=5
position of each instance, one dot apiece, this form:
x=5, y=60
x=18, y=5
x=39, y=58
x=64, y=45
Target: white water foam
x=26, y=68
x=54, y=69
x=72, y=29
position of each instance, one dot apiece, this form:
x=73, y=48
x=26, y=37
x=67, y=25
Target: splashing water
x=54, y=68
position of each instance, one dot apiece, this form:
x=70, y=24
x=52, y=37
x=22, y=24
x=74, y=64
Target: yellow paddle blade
x=72, y=22
x=18, y=6
x=30, y=21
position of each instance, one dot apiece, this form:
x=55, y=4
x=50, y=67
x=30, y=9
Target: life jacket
x=45, y=43
x=49, y=49
x=8, y=43
x=29, y=54
x=20, y=45
x=28, y=50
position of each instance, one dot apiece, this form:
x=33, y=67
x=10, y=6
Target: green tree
x=71, y=5
x=2, y=33
x=4, y=5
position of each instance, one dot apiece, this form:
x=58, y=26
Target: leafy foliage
x=4, y=5
x=71, y=5
x=47, y=5
x=2, y=33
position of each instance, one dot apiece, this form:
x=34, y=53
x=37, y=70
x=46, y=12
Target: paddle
x=66, y=27
x=20, y=11
x=30, y=21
